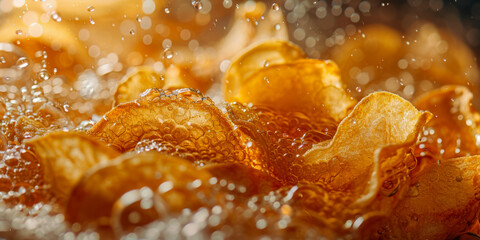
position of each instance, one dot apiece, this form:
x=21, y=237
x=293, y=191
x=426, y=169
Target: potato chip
x=307, y=85
x=379, y=58
x=441, y=203
x=378, y=121
x=254, y=58
x=55, y=41
x=252, y=23
x=176, y=181
x=348, y=200
x=282, y=138
x=443, y=57
x=177, y=77
x=136, y=82
x=454, y=131
x=143, y=78
x=183, y=122
x=369, y=57
x=66, y=156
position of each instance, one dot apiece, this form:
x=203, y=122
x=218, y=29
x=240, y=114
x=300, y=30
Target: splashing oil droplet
x=197, y=4
x=275, y=7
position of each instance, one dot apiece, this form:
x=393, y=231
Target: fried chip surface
x=347, y=161
x=282, y=138
x=182, y=122
x=176, y=182
x=440, y=204
x=454, y=131
x=136, y=82
x=254, y=58
x=307, y=85
x=66, y=156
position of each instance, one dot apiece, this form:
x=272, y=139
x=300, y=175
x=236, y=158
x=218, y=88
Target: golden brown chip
x=143, y=78
x=60, y=48
x=368, y=58
x=379, y=58
x=254, y=58
x=381, y=120
x=176, y=182
x=182, y=122
x=253, y=23
x=66, y=156
x=442, y=56
x=136, y=82
x=440, y=204
x=357, y=179
x=282, y=138
x=177, y=77
x=454, y=131
x=307, y=85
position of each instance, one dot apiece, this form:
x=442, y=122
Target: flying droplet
x=197, y=4
x=132, y=32
x=22, y=63
x=43, y=74
x=91, y=8
x=2, y=60
x=55, y=17
x=266, y=63
x=275, y=7
x=167, y=10
x=19, y=32
x=168, y=54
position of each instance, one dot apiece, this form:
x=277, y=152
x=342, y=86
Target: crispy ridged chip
x=66, y=156
x=176, y=181
x=254, y=58
x=143, y=78
x=440, y=204
x=182, y=122
x=380, y=121
x=136, y=82
x=282, y=138
x=379, y=58
x=454, y=131
x=307, y=85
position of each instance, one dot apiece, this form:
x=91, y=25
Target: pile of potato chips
x=291, y=150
